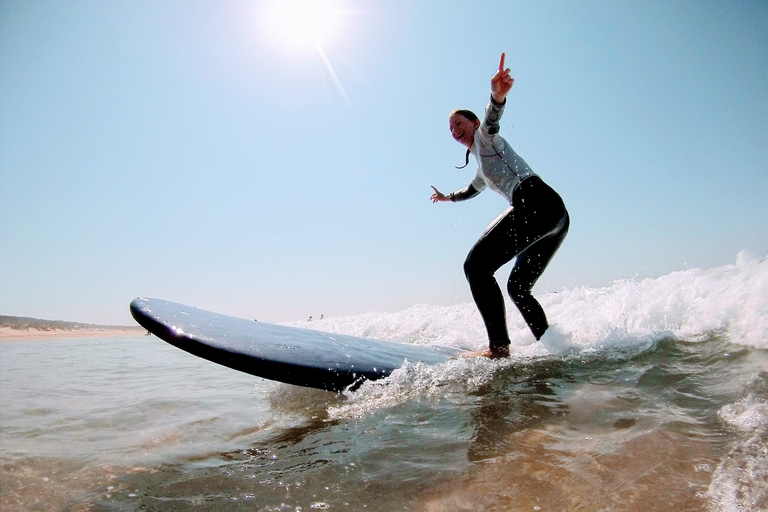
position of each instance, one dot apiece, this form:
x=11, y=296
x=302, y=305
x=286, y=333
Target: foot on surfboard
x=490, y=353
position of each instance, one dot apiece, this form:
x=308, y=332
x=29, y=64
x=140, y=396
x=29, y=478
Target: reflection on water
x=650, y=430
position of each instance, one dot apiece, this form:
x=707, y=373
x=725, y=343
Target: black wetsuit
x=531, y=230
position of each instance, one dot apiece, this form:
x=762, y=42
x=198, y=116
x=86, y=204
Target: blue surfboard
x=286, y=354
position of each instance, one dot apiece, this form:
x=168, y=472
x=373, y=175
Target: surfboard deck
x=302, y=357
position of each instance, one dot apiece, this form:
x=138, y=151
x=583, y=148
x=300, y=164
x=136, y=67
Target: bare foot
x=490, y=353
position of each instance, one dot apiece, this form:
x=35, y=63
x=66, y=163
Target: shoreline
x=8, y=334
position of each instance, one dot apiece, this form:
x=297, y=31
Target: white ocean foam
x=420, y=381
x=740, y=481
x=689, y=304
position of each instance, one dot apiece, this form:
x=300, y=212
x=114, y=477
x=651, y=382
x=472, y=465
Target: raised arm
x=501, y=83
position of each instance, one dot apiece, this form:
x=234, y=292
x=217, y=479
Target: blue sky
x=179, y=149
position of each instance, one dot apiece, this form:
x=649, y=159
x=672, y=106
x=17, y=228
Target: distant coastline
x=16, y=327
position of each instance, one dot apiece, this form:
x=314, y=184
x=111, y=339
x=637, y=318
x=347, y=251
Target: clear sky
x=188, y=150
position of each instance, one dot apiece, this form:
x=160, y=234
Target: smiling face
x=463, y=129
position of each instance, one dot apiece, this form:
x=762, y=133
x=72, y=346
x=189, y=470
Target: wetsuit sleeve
x=493, y=113
x=470, y=191
x=467, y=192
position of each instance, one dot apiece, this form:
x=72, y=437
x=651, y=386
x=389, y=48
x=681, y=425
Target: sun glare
x=305, y=25
x=302, y=22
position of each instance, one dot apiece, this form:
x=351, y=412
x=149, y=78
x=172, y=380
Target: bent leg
x=528, y=268
x=495, y=248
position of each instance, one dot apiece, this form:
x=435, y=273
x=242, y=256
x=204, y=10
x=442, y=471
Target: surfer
x=530, y=230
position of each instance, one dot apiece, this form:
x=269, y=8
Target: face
x=462, y=129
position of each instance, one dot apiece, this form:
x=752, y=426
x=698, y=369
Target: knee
x=470, y=268
x=518, y=292
x=475, y=269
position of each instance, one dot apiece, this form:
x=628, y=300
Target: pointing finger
x=501, y=62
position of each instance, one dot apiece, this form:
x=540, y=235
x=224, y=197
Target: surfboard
x=292, y=355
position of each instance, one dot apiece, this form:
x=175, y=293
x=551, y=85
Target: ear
x=476, y=124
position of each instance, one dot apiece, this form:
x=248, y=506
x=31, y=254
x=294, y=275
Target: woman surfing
x=530, y=230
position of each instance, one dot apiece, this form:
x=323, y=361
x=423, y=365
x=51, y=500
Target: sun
x=305, y=25
x=302, y=23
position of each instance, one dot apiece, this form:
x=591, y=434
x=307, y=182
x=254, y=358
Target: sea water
x=645, y=395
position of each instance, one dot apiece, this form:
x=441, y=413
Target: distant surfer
x=531, y=229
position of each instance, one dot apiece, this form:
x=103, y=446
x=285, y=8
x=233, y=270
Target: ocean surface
x=647, y=395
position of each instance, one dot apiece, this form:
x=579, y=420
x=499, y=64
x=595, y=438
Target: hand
x=501, y=83
x=438, y=196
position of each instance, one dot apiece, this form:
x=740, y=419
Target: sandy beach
x=8, y=334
